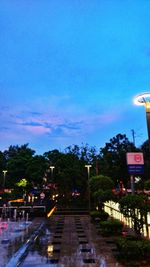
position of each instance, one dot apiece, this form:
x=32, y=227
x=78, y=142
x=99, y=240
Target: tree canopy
x=113, y=158
x=70, y=173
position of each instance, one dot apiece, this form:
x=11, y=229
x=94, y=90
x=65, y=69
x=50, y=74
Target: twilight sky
x=69, y=70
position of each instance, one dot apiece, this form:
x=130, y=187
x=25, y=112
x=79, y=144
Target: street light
x=52, y=171
x=89, y=195
x=144, y=99
x=4, y=177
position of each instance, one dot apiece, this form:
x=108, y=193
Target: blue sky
x=69, y=70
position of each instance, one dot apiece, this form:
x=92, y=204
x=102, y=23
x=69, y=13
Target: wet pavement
x=60, y=241
x=13, y=234
x=71, y=241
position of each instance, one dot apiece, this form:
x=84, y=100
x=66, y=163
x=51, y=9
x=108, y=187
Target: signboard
x=135, y=158
x=42, y=195
x=136, y=169
x=135, y=162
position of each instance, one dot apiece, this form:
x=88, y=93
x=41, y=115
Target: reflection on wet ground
x=69, y=241
x=12, y=235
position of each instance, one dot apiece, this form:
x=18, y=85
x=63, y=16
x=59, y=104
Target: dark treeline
x=21, y=162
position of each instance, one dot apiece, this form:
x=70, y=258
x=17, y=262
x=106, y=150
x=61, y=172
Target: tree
x=147, y=184
x=21, y=187
x=14, y=151
x=101, y=189
x=2, y=167
x=113, y=158
x=17, y=163
x=36, y=168
x=70, y=172
x=135, y=207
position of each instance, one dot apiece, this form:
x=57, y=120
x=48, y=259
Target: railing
x=113, y=210
x=21, y=211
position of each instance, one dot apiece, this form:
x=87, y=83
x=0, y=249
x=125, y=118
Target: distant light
x=51, y=212
x=50, y=250
x=88, y=166
x=52, y=167
x=142, y=99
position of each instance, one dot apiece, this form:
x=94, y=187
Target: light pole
x=88, y=166
x=144, y=99
x=52, y=172
x=4, y=177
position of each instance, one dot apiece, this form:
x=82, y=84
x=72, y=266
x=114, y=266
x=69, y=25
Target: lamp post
x=4, y=177
x=52, y=172
x=89, y=195
x=144, y=99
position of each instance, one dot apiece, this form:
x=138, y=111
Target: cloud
x=28, y=123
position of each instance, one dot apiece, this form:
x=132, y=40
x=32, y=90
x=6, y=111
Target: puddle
x=13, y=234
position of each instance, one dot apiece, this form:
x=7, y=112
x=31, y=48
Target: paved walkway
x=65, y=241
x=71, y=241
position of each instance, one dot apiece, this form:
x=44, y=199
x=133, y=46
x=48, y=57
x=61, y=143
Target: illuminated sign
x=135, y=158
x=135, y=162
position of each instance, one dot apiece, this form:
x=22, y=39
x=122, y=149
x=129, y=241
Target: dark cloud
x=31, y=124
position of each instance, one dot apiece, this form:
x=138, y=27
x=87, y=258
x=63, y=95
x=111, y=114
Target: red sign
x=135, y=158
x=42, y=195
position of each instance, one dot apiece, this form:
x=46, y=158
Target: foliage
x=2, y=166
x=101, y=189
x=35, y=170
x=23, y=150
x=131, y=248
x=113, y=158
x=6, y=196
x=147, y=184
x=101, y=215
x=22, y=183
x=70, y=173
x=17, y=162
x=101, y=182
x=111, y=227
x=103, y=196
x=135, y=207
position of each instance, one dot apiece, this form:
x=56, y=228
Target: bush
x=99, y=215
x=111, y=227
x=132, y=248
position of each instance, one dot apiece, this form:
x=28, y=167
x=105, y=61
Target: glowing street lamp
x=4, y=177
x=52, y=171
x=144, y=99
x=89, y=195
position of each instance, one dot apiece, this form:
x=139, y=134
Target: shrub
x=111, y=227
x=131, y=248
x=99, y=215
